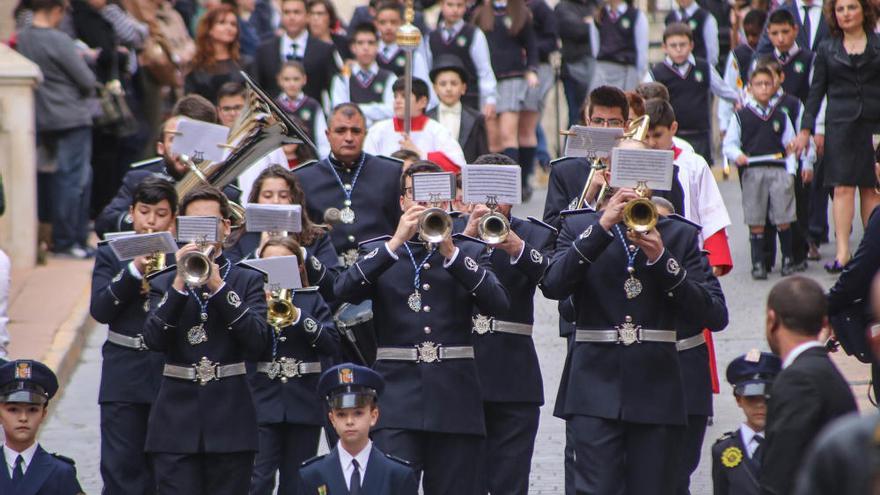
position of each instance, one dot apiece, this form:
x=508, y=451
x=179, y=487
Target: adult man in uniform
x=423, y=298
x=630, y=291
x=512, y=395
x=202, y=431
x=130, y=373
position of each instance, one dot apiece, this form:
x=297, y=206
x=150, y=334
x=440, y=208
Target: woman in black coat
x=847, y=72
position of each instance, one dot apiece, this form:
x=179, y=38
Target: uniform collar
x=301, y=41
x=27, y=454
x=691, y=10
x=362, y=457
x=791, y=52
x=746, y=434
x=338, y=164
x=372, y=70
x=690, y=61
x=621, y=9
x=797, y=351
x=443, y=107
x=418, y=123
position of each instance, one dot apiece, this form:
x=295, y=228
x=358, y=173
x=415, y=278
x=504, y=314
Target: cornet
x=493, y=227
x=154, y=263
x=435, y=224
x=281, y=311
x=640, y=215
x=197, y=266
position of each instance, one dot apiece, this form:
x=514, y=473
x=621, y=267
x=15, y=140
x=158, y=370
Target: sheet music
x=654, y=167
x=273, y=218
x=197, y=229
x=131, y=246
x=501, y=182
x=201, y=141
x=283, y=271
x=433, y=186
x=109, y=236
x=591, y=142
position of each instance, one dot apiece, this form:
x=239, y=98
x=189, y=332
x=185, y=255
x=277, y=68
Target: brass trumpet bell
x=640, y=215
x=435, y=225
x=281, y=312
x=493, y=228
x=197, y=266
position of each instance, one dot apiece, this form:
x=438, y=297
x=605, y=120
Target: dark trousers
x=511, y=428
x=568, y=460
x=203, y=473
x=615, y=457
x=450, y=461
x=70, y=186
x=691, y=447
x=818, y=223
x=576, y=78
x=125, y=468
x=799, y=228
x=283, y=447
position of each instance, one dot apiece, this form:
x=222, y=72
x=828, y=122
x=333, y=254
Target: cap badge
x=23, y=370
x=346, y=375
x=753, y=356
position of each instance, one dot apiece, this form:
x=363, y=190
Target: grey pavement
x=73, y=428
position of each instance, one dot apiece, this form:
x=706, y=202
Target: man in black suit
x=295, y=44
x=809, y=392
x=812, y=28
x=449, y=77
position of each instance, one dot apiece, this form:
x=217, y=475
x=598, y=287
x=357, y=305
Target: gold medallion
x=731, y=457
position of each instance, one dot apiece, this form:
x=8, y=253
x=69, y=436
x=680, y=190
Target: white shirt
x=450, y=117
x=479, y=53
x=797, y=351
x=703, y=203
x=11, y=456
x=348, y=467
x=815, y=18
x=710, y=32
x=287, y=45
x=748, y=438
x=340, y=92
x=732, y=144
x=382, y=139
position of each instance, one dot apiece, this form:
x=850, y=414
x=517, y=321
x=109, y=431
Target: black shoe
x=801, y=267
x=813, y=252
x=759, y=272
x=788, y=267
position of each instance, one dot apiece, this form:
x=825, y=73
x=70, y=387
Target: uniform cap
x=752, y=373
x=349, y=385
x=26, y=381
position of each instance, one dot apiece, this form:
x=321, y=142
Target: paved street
x=73, y=427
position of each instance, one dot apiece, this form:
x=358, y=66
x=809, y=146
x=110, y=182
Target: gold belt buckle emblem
x=205, y=371
x=428, y=352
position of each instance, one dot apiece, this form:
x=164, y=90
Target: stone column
x=18, y=226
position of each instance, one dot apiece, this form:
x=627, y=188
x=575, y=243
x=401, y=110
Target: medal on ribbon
x=632, y=286
x=414, y=301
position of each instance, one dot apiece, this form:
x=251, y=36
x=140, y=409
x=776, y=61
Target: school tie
x=18, y=470
x=294, y=52
x=448, y=34
x=363, y=76
x=783, y=57
x=354, y=487
x=613, y=14
x=759, y=451
x=807, y=25
x=682, y=15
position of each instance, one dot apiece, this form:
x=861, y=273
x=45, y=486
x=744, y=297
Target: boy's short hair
x=295, y=64
x=755, y=19
x=195, y=107
x=636, y=104
x=781, y=16
x=153, y=190
x=678, y=29
x=43, y=5
x=759, y=70
x=418, y=167
x=304, y=2
x=390, y=5
x=419, y=87
x=494, y=159
x=364, y=27
x=653, y=89
x=403, y=154
x=769, y=62
x=206, y=193
x=230, y=88
x=608, y=96
x=660, y=113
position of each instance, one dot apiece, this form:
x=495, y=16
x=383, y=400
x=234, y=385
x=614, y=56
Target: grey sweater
x=61, y=99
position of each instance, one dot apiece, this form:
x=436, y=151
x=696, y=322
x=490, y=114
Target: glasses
x=408, y=192
x=230, y=109
x=600, y=122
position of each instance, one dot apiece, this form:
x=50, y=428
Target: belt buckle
x=205, y=371
x=289, y=368
x=628, y=333
x=428, y=352
x=274, y=370
x=483, y=324
x=141, y=345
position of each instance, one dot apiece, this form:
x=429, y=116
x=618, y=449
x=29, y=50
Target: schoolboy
x=292, y=79
x=352, y=393
x=756, y=141
x=366, y=84
x=25, y=390
x=797, y=63
x=691, y=82
x=449, y=77
x=389, y=18
x=739, y=62
x=702, y=23
x=736, y=456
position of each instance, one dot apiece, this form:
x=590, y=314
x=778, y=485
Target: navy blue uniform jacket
x=48, y=474
x=385, y=476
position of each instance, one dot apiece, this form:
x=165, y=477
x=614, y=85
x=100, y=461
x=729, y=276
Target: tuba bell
x=281, y=312
x=493, y=227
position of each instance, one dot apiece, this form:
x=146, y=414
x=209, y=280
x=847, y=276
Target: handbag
x=113, y=115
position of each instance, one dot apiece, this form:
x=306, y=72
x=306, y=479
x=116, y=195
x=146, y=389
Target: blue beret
x=27, y=381
x=751, y=373
x=350, y=385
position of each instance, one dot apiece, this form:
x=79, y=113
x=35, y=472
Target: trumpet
x=636, y=130
x=640, y=215
x=281, y=311
x=435, y=225
x=154, y=263
x=197, y=266
x=493, y=227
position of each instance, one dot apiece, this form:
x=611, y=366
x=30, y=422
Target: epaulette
x=63, y=458
x=147, y=162
x=306, y=164
x=313, y=460
x=313, y=288
x=398, y=460
x=109, y=236
x=455, y=214
x=460, y=235
x=680, y=218
x=726, y=436
x=542, y=224
x=160, y=272
x=552, y=162
x=374, y=239
x=390, y=158
x=585, y=209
